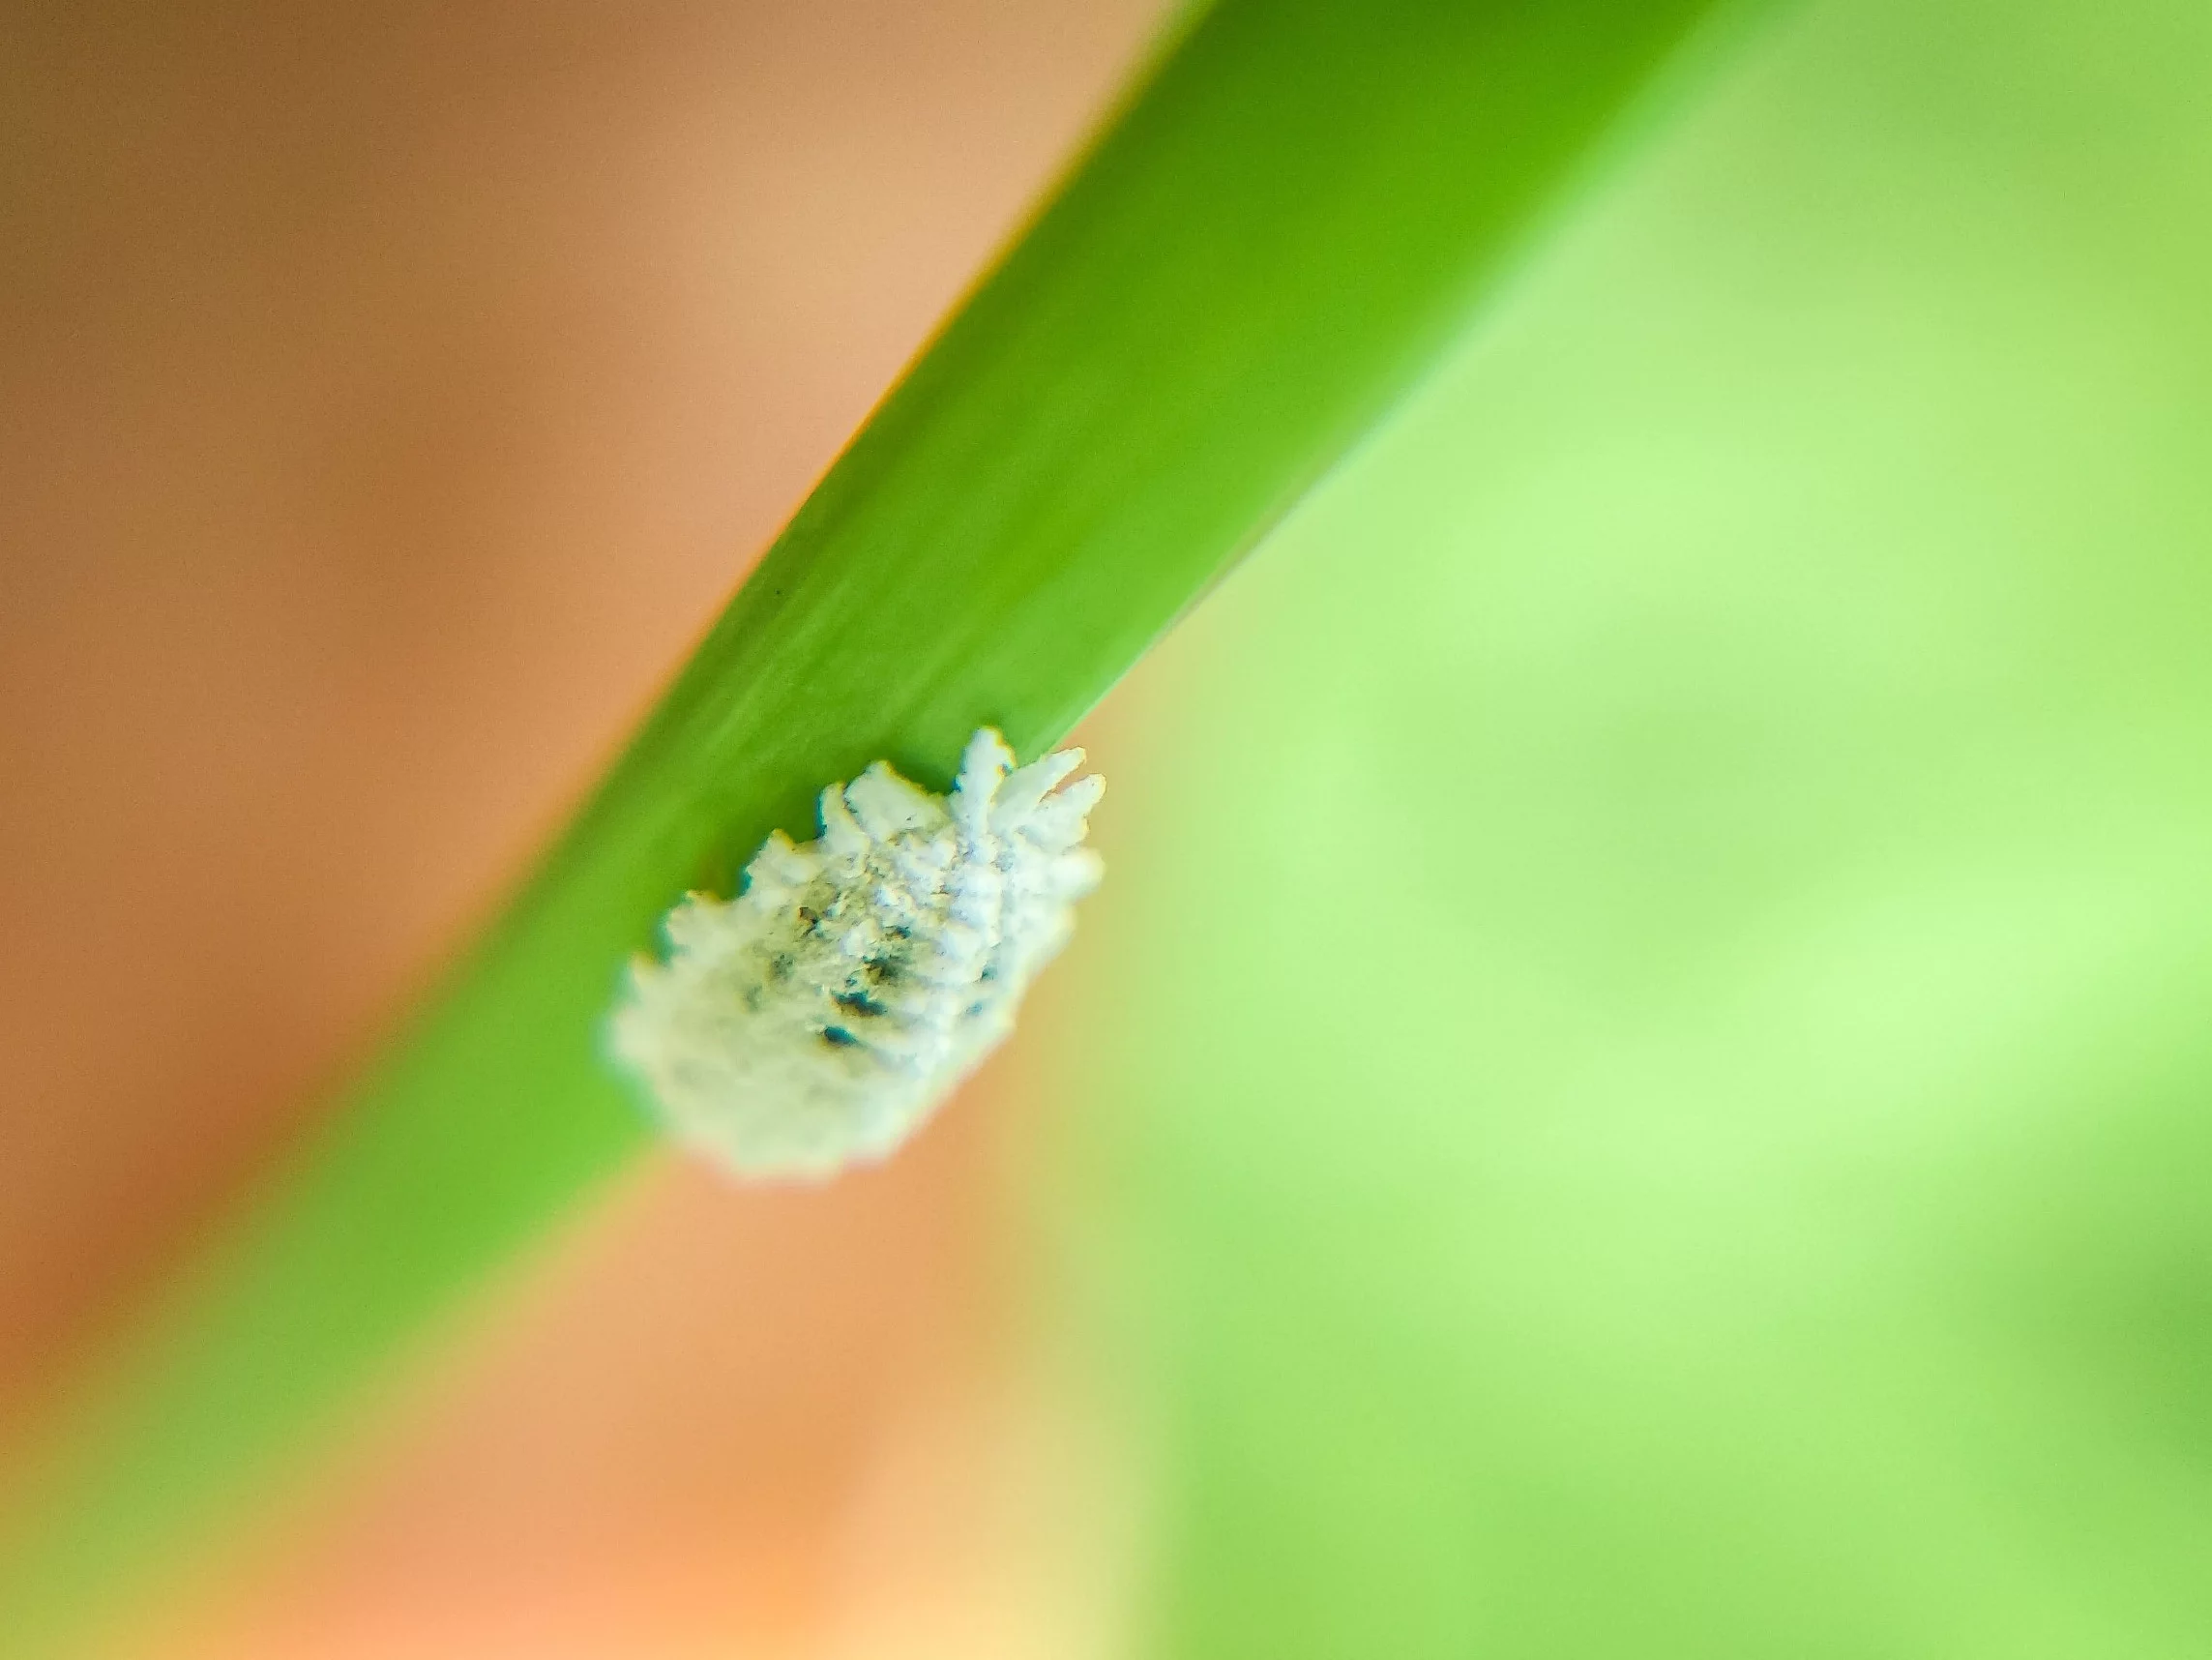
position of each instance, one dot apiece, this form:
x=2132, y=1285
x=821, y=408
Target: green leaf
x=1274, y=236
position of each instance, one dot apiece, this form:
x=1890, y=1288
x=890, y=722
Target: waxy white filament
x=815, y=1020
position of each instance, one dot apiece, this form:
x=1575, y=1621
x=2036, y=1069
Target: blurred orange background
x=394, y=391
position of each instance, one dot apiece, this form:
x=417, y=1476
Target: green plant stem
x=1285, y=224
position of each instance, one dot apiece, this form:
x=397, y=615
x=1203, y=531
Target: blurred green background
x=1646, y=1083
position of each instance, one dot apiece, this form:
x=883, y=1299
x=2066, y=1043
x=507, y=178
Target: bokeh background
x=1641, y=1083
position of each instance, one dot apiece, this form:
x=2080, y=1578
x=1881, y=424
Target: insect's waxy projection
x=818, y=1017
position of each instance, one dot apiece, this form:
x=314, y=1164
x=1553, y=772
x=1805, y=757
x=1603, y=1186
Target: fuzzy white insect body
x=815, y=1020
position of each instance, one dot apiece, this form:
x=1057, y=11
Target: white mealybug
x=815, y=1020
